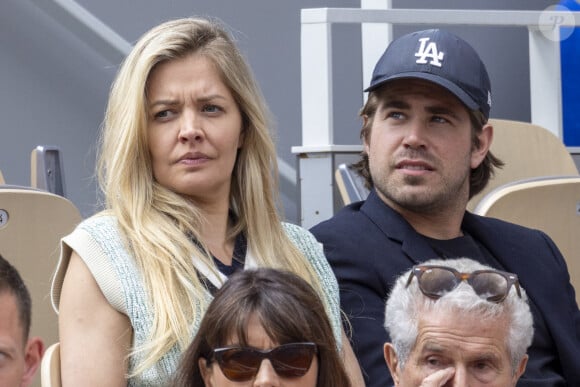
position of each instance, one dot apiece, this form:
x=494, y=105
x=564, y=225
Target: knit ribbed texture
x=99, y=244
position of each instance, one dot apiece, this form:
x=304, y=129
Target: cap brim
x=445, y=83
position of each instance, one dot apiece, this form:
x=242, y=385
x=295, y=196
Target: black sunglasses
x=492, y=285
x=240, y=364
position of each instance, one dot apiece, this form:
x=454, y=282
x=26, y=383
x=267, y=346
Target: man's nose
x=459, y=378
x=415, y=133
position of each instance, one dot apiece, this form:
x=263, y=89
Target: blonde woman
x=186, y=166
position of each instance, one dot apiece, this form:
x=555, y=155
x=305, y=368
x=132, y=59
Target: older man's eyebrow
x=433, y=347
x=490, y=357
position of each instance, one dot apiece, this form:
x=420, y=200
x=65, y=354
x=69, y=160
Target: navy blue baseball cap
x=440, y=57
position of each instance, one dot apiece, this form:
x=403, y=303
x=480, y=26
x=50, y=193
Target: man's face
x=420, y=147
x=452, y=351
x=15, y=356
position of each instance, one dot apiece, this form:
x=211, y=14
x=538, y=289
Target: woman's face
x=194, y=128
x=266, y=376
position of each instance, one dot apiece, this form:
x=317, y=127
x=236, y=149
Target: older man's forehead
x=444, y=329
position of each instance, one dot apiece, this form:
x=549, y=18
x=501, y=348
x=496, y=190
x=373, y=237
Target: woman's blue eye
x=211, y=108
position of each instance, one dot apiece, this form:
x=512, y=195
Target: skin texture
x=87, y=325
x=452, y=351
x=420, y=155
x=19, y=358
x=266, y=376
x=195, y=129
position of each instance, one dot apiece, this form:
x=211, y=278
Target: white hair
x=406, y=304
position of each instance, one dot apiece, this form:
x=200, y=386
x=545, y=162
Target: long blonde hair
x=157, y=223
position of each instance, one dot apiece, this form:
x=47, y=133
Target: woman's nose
x=267, y=376
x=190, y=127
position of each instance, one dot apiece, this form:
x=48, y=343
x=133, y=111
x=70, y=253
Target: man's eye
x=396, y=115
x=439, y=120
x=484, y=371
x=435, y=361
x=482, y=366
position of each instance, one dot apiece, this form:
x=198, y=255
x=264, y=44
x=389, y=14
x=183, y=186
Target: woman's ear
x=206, y=372
x=242, y=136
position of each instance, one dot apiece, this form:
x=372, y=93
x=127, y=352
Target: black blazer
x=369, y=245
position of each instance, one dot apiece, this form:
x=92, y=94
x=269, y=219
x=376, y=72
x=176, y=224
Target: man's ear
x=521, y=368
x=366, y=138
x=205, y=371
x=485, y=138
x=32, y=357
x=392, y=362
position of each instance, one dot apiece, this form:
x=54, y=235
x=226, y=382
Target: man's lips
x=414, y=165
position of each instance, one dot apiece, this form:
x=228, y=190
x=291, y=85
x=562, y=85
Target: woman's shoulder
x=99, y=237
x=304, y=241
x=100, y=225
x=297, y=233
x=100, y=219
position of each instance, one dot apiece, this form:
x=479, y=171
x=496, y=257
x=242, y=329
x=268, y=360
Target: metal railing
x=317, y=152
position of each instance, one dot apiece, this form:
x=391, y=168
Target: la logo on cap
x=429, y=50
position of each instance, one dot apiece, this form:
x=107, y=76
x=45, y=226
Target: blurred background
x=55, y=80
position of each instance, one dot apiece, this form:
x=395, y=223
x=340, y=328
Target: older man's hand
x=439, y=378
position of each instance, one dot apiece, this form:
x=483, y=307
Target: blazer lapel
x=493, y=240
x=393, y=226
x=512, y=254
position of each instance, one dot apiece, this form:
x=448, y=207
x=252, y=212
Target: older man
x=19, y=356
x=457, y=322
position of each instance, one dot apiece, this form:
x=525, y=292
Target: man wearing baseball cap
x=426, y=142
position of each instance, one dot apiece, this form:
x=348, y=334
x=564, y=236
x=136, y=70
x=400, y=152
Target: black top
x=238, y=260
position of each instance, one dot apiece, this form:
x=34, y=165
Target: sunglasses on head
x=240, y=364
x=492, y=285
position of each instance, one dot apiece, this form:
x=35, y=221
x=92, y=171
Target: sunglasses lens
x=239, y=364
x=292, y=360
x=242, y=364
x=436, y=281
x=489, y=285
x=492, y=285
